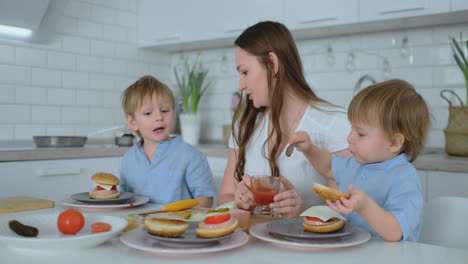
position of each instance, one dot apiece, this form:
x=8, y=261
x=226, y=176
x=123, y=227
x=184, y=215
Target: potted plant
x=192, y=85
x=456, y=133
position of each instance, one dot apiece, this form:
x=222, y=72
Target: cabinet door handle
x=57, y=171
x=169, y=37
x=316, y=20
x=401, y=10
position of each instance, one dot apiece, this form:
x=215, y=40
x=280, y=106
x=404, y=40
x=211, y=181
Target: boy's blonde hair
x=398, y=109
x=145, y=88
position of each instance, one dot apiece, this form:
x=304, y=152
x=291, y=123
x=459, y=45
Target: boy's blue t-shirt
x=178, y=171
x=393, y=184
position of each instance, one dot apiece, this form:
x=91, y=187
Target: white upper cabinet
x=458, y=5
x=379, y=9
x=301, y=14
x=176, y=21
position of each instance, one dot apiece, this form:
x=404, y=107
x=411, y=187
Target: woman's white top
x=328, y=129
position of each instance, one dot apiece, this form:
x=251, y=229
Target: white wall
x=72, y=85
x=433, y=70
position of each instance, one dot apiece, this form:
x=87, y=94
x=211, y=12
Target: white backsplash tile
x=31, y=95
x=72, y=85
x=7, y=54
x=45, y=114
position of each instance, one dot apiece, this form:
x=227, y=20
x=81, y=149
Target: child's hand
x=355, y=203
x=243, y=195
x=301, y=141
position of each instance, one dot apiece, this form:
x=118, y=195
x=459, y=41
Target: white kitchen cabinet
x=458, y=5
x=53, y=179
x=373, y=10
x=178, y=21
x=442, y=183
x=302, y=14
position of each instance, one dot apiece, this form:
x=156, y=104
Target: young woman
x=276, y=102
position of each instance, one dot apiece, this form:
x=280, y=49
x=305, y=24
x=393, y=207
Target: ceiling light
x=15, y=31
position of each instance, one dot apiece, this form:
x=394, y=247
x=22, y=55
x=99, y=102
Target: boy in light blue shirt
x=159, y=166
x=389, y=125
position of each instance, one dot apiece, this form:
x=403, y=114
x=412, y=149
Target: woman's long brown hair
x=259, y=40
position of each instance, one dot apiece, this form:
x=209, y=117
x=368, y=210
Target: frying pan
x=67, y=141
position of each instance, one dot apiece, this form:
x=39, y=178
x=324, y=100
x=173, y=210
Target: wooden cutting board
x=23, y=203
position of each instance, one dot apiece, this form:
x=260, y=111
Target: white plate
x=138, y=239
x=124, y=197
x=358, y=236
x=139, y=200
x=51, y=239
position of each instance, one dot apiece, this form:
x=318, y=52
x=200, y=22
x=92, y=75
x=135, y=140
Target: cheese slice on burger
x=323, y=212
x=322, y=219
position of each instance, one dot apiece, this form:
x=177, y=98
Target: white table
x=255, y=251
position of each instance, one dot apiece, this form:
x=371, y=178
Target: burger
x=105, y=186
x=217, y=225
x=322, y=219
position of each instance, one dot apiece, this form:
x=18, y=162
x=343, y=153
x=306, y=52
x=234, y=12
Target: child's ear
x=131, y=123
x=397, y=142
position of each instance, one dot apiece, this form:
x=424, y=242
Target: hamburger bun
x=209, y=233
x=108, y=183
x=335, y=225
x=166, y=227
x=322, y=219
x=97, y=195
x=105, y=178
x=328, y=193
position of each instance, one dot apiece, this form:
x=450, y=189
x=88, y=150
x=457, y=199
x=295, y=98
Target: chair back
x=445, y=222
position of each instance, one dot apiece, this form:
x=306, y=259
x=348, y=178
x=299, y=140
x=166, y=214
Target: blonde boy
x=162, y=167
x=389, y=126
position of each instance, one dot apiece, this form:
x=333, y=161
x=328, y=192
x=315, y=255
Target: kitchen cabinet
x=53, y=179
x=442, y=183
x=217, y=166
x=372, y=10
x=168, y=22
x=302, y=14
x=458, y=5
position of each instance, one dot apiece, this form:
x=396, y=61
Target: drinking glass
x=264, y=188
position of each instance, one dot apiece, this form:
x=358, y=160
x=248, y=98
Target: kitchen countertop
x=432, y=159
x=255, y=251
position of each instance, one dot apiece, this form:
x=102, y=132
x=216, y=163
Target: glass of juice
x=264, y=188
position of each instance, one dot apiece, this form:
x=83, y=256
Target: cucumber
x=23, y=230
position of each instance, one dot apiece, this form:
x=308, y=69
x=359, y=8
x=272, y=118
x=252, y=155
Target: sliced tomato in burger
x=217, y=219
x=99, y=188
x=316, y=219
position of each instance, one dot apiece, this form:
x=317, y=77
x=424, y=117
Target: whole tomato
x=70, y=221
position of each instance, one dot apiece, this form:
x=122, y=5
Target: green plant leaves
x=461, y=59
x=192, y=84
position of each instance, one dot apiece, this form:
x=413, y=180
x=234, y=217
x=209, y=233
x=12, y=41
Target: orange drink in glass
x=264, y=188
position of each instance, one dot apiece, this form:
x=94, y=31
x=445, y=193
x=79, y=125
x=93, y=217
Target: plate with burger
x=316, y=222
x=213, y=228
x=104, y=191
x=216, y=232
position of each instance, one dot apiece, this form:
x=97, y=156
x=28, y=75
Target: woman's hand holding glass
x=243, y=196
x=288, y=203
